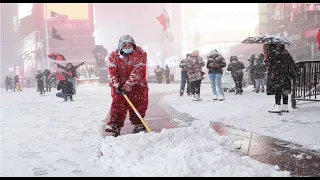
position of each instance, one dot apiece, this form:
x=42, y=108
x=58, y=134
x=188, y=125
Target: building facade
x=217, y=26
x=299, y=23
x=77, y=31
x=139, y=20
x=10, y=41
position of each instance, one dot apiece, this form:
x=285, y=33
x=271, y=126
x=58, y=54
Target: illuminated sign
x=24, y=9
x=73, y=11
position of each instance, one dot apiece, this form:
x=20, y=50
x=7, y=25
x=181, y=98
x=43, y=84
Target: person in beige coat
x=194, y=64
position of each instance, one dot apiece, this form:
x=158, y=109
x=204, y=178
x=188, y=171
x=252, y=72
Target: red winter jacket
x=129, y=69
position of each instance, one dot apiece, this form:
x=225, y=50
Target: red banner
x=318, y=37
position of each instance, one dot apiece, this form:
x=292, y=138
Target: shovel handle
x=137, y=113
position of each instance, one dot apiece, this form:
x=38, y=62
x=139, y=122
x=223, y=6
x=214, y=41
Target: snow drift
x=189, y=151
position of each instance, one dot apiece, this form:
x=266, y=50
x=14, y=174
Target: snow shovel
x=137, y=113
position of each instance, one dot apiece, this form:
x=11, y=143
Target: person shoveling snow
x=127, y=68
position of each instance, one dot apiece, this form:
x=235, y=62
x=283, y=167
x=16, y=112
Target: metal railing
x=306, y=85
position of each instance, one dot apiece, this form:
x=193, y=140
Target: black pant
x=168, y=79
x=252, y=80
x=238, y=82
x=41, y=88
x=195, y=87
x=285, y=98
x=8, y=86
x=48, y=87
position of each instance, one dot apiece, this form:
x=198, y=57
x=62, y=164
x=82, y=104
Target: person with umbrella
x=281, y=69
x=73, y=70
x=61, y=73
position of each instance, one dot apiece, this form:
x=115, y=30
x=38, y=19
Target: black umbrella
x=267, y=39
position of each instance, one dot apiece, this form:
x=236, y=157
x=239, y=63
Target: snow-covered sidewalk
x=250, y=112
x=43, y=136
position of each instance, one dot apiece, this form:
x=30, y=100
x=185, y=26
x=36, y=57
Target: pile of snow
x=188, y=151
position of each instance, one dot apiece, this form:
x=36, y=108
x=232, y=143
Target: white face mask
x=127, y=51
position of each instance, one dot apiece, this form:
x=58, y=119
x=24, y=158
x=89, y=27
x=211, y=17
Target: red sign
x=311, y=33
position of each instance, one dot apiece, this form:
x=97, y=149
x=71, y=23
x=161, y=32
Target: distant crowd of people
x=163, y=75
x=12, y=83
x=64, y=81
x=271, y=71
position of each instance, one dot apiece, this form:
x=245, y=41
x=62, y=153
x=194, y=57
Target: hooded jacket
x=130, y=68
x=215, y=58
x=236, y=67
x=281, y=69
x=66, y=87
x=259, y=69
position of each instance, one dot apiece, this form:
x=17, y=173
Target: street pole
x=47, y=36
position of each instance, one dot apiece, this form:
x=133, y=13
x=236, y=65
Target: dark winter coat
x=215, y=58
x=66, y=87
x=183, y=67
x=7, y=80
x=258, y=70
x=16, y=79
x=40, y=79
x=236, y=69
x=73, y=69
x=281, y=69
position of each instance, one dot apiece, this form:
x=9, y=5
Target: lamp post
x=100, y=53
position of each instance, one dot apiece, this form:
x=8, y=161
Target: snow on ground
x=250, y=112
x=44, y=136
x=183, y=152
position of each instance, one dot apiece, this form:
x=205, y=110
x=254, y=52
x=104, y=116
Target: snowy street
x=44, y=136
x=250, y=112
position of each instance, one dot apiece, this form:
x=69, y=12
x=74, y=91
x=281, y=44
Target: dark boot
x=113, y=129
x=181, y=92
x=71, y=98
x=240, y=91
x=139, y=128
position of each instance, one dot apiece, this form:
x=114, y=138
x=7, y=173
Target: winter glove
x=127, y=88
x=120, y=90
